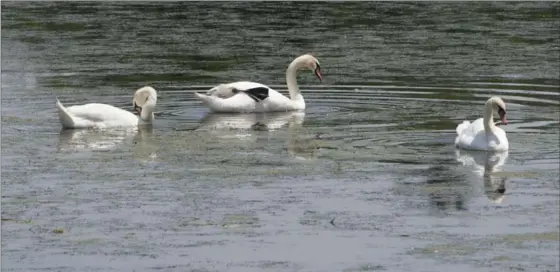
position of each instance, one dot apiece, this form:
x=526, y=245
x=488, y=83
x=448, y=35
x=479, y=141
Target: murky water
x=367, y=179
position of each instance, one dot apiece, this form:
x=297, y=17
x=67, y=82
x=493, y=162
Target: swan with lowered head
x=246, y=96
x=483, y=134
x=96, y=115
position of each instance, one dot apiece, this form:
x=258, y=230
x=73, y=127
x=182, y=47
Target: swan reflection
x=100, y=140
x=484, y=164
x=245, y=127
x=251, y=121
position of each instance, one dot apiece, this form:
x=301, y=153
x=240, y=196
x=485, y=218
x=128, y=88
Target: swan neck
x=291, y=80
x=147, y=114
x=489, y=118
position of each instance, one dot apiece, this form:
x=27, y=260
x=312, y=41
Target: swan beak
x=318, y=74
x=502, y=114
x=137, y=108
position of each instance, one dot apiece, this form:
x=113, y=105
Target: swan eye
x=501, y=111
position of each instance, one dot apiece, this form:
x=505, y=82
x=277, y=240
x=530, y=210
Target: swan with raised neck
x=483, y=134
x=246, y=96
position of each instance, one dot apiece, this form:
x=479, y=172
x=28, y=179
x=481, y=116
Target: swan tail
x=212, y=91
x=206, y=99
x=65, y=118
x=461, y=127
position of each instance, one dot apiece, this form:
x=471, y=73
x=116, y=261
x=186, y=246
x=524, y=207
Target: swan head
x=497, y=104
x=144, y=100
x=308, y=61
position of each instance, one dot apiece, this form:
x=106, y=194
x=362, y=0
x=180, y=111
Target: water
x=367, y=179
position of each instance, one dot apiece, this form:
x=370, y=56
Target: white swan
x=483, y=134
x=96, y=115
x=246, y=96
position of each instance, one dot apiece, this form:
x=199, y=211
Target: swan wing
x=468, y=134
x=498, y=141
x=95, y=115
x=227, y=90
x=461, y=127
x=246, y=96
x=236, y=103
x=244, y=85
x=221, y=91
x=475, y=127
x=100, y=112
x=68, y=120
x=475, y=137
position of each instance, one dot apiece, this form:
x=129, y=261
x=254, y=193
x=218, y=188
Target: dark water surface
x=367, y=179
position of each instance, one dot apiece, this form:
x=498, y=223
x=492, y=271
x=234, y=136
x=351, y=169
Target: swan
x=96, y=115
x=483, y=134
x=246, y=96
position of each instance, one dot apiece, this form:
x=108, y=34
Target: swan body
x=96, y=115
x=246, y=96
x=483, y=134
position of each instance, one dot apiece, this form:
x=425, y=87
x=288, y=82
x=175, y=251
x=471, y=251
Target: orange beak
x=318, y=74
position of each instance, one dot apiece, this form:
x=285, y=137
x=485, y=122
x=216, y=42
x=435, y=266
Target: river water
x=366, y=179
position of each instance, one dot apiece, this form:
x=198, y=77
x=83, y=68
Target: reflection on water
x=484, y=165
x=84, y=140
x=447, y=191
x=100, y=140
x=231, y=128
x=455, y=188
x=302, y=143
x=92, y=140
x=257, y=121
